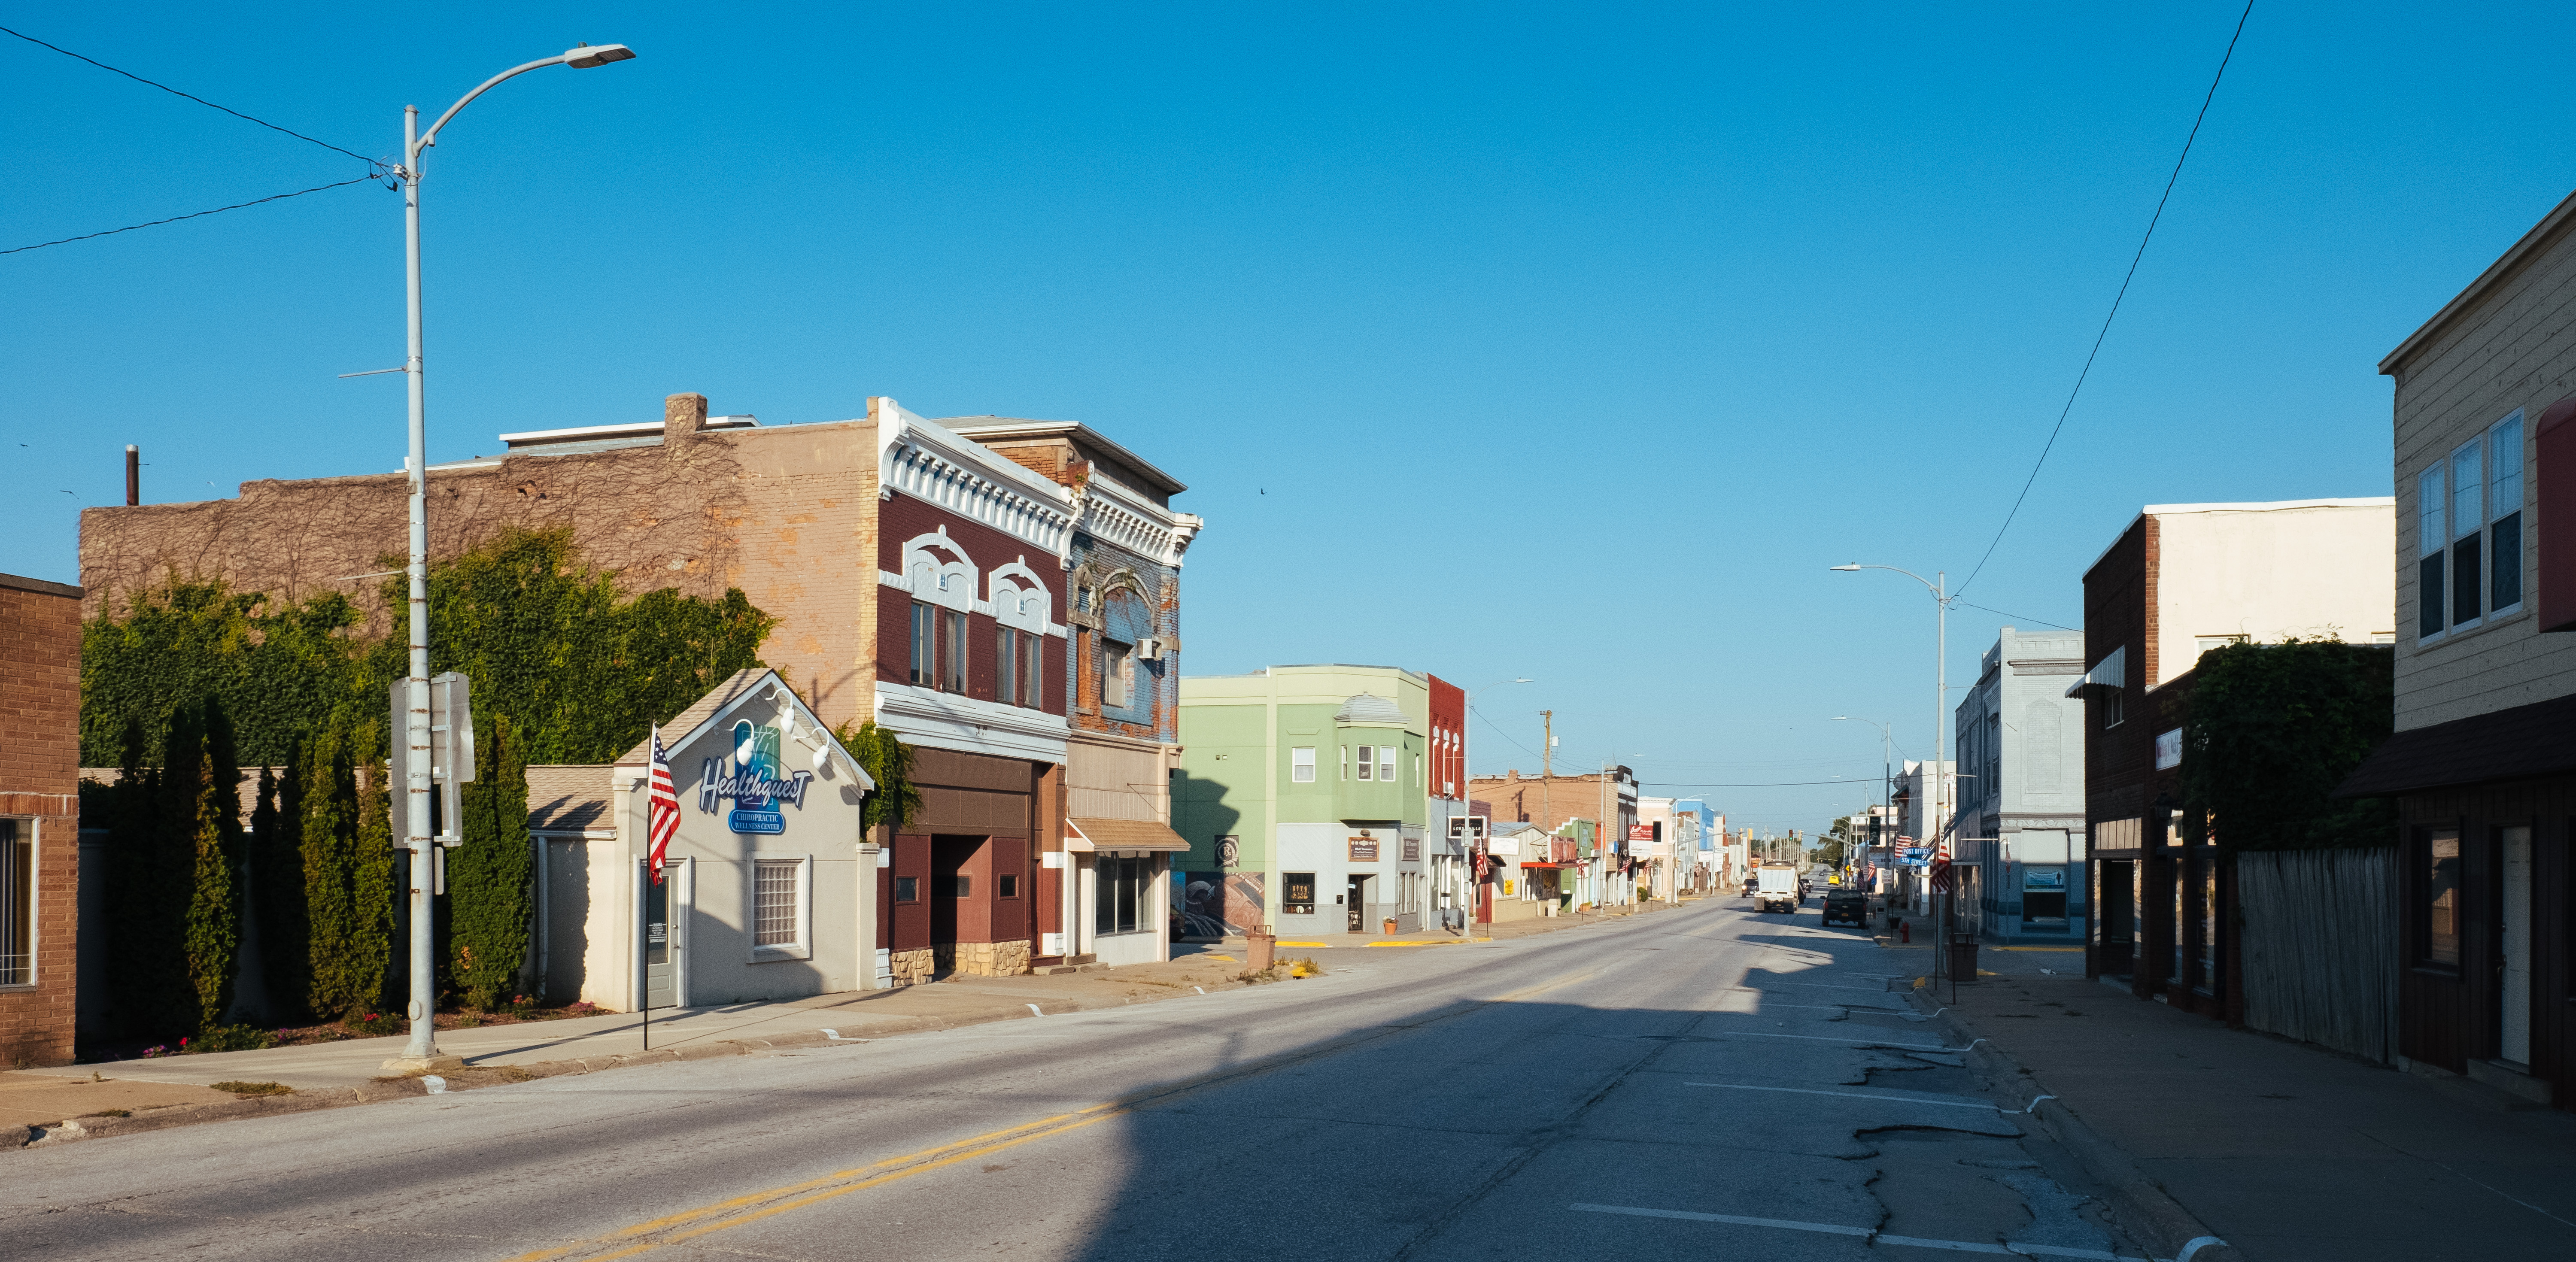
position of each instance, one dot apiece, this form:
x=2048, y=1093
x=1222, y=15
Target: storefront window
x=17, y=902
x=1121, y=896
x=1297, y=893
x=2043, y=894
x=907, y=889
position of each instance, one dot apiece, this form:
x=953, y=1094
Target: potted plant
x=1389, y=922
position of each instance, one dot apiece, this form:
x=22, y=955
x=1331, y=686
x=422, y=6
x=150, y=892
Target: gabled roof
x=2532, y=242
x=743, y=687
x=567, y=799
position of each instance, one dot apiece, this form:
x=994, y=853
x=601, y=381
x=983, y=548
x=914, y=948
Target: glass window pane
x=2441, y=878
x=922, y=672
x=774, y=903
x=2428, y=595
x=1368, y=760
x=1301, y=765
x=2507, y=446
x=2468, y=491
x=17, y=903
x=2466, y=574
x=1104, y=896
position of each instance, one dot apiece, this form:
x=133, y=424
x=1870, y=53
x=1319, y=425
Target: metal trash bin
x=1258, y=948
x=1963, y=959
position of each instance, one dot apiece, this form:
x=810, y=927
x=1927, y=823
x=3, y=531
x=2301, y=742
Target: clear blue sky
x=1492, y=341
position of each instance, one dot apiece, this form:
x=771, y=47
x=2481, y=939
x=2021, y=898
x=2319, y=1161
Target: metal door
x=2514, y=966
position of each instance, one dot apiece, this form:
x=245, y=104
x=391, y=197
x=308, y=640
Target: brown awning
x=1121, y=834
x=2517, y=744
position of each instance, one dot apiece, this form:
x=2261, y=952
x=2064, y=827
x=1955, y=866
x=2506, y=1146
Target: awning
x=2111, y=672
x=1532, y=863
x=1121, y=834
x=2524, y=743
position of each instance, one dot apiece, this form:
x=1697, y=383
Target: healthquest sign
x=752, y=781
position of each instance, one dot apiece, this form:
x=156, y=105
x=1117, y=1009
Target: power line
x=2115, y=301
x=372, y=162
x=1774, y=784
x=363, y=179
x=2017, y=617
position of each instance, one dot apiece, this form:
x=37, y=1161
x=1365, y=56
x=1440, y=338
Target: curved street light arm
x=430, y=136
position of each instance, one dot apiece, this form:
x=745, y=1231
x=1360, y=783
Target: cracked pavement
x=1701, y=1082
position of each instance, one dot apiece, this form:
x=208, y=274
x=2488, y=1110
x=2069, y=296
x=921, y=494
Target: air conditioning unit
x=1149, y=649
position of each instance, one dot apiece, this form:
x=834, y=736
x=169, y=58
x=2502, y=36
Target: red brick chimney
x=683, y=415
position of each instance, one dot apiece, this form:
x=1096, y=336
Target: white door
x=2516, y=999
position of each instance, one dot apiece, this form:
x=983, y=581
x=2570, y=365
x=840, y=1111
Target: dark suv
x=1847, y=907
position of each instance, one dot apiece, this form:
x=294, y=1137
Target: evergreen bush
x=491, y=878
x=213, y=825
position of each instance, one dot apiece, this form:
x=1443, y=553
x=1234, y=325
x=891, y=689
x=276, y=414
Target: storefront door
x=661, y=949
x=2115, y=907
x=1357, y=904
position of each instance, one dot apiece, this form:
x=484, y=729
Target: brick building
x=39, y=819
x=2181, y=580
x=1607, y=799
x=918, y=579
x=1123, y=664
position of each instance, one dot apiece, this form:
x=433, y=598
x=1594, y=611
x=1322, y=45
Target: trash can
x=1963, y=959
x=1258, y=947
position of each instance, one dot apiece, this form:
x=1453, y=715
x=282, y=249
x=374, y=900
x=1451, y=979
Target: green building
x=1303, y=796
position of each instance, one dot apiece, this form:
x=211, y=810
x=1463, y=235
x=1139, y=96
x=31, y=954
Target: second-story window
x=1033, y=670
x=1368, y=760
x=1117, y=673
x=1386, y=762
x=1301, y=765
x=925, y=646
x=2468, y=542
x=953, y=660
x=1006, y=667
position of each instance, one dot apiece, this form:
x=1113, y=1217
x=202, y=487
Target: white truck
x=1775, y=888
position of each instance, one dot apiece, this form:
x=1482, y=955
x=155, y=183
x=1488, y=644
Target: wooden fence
x=2321, y=947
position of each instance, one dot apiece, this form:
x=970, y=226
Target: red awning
x=1548, y=866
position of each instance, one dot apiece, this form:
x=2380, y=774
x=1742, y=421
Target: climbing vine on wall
x=277, y=668
x=2272, y=729
x=888, y=762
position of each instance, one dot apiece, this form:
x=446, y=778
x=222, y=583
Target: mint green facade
x=1272, y=761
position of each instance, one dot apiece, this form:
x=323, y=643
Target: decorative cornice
x=936, y=466
x=944, y=720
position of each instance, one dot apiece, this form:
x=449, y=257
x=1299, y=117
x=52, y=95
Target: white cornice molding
x=937, y=466
x=1114, y=513
x=944, y=720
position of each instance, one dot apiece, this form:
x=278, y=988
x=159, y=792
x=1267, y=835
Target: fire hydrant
x=1905, y=931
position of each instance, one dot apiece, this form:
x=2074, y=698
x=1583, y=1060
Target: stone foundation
x=914, y=967
x=987, y=959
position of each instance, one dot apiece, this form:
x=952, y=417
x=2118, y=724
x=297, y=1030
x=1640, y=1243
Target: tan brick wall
x=787, y=514
x=2515, y=348
x=39, y=785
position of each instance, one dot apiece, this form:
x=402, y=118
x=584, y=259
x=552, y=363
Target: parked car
x=1847, y=907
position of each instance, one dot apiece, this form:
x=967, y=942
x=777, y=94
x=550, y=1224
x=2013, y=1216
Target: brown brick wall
x=786, y=514
x=39, y=785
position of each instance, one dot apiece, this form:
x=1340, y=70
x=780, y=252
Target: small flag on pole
x=1940, y=872
x=662, y=817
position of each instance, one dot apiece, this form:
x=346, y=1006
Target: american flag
x=1940, y=868
x=662, y=820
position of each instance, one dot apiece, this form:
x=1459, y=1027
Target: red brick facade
x=40, y=791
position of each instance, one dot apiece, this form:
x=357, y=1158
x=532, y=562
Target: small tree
x=277, y=886
x=2272, y=729
x=214, y=895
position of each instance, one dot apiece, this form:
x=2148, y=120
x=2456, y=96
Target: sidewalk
x=136, y=1084
x=1500, y=932
x=2287, y=1151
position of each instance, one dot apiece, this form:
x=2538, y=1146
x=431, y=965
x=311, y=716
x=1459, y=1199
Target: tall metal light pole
x=1939, y=586
x=423, y=1047
x=1467, y=771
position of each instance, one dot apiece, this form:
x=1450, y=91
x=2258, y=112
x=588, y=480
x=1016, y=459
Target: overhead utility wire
x=372, y=162
x=2115, y=301
x=363, y=179
x=2019, y=618
x=1772, y=784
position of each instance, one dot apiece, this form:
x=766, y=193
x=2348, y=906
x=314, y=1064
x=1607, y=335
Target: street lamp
x=1468, y=771
x=1938, y=586
x=423, y=1047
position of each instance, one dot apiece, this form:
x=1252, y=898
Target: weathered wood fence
x=2321, y=947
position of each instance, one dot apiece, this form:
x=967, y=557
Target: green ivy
x=888, y=762
x=277, y=671
x=491, y=878
x=2271, y=729
x=552, y=642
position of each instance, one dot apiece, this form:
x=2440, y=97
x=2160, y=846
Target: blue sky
x=1563, y=342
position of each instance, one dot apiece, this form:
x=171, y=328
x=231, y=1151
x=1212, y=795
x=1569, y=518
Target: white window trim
x=2477, y=530
x=35, y=922
x=2496, y=513
x=1306, y=764
x=1368, y=761
x=803, y=947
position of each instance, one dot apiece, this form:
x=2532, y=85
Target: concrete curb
x=476, y=1076
x=2142, y=1205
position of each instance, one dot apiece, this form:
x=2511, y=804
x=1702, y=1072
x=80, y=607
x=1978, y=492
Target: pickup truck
x=1777, y=888
x=1847, y=907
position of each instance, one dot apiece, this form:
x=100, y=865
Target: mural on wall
x=1216, y=905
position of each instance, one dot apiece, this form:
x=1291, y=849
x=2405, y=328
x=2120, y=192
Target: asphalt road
x=1699, y=1083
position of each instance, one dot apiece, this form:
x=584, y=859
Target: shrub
x=254, y=1088
x=232, y=1038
